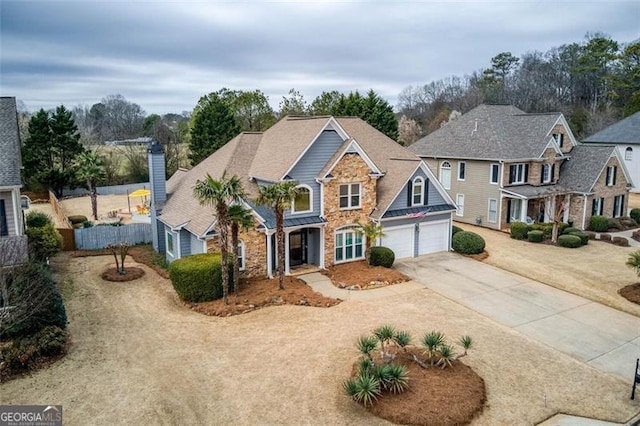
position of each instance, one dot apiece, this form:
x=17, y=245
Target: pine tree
x=213, y=126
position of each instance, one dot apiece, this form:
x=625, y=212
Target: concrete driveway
x=602, y=337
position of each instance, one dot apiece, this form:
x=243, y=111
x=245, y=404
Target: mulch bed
x=131, y=273
x=259, y=293
x=631, y=293
x=453, y=396
x=360, y=275
x=142, y=254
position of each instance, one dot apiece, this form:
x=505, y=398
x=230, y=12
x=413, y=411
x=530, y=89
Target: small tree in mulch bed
x=121, y=250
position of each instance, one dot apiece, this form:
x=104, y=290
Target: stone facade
x=601, y=190
x=255, y=251
x=350, y=169
x=567, y=145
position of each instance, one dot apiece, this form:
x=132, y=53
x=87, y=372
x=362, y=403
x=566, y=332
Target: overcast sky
x=165, y=55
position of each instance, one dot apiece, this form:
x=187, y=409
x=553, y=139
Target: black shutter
x=4, y=230
x=615, y=170
x=608, y=175
x=526, y=173
x=426, y=192
x=553, y=172
x=409, y=193
x=509, y=211
x=512, y=173
x=594, y=212
x=561, y=139
x=542, y=173
x=615, y=205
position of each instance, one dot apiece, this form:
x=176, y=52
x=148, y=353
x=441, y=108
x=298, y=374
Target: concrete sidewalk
x=602, y=337
x=323, y=285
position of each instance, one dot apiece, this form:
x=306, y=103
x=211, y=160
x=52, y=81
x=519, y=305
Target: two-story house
x=348, y=173
x=13, y=241
x=501, y=165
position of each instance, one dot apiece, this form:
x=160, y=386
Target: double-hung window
x=170, y=243
x=4, y=229
x=417, y=195
x=494, y=174
x=559, y=137
x=518, y=173
x=349, y=245
x=350, y=195
x=493, y=210
x=241, y=255
x=597, y=206
x=546, y=173
x=618, y=205
x=611, y=175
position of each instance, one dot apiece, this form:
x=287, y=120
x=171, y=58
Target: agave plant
x=466, y=342
x=366, y=345
x=396, y=379
x=385, y=334
x=432, y=341
x=447, y=355
x=367, y=389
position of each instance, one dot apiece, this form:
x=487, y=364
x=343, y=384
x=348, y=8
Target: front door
x=297, y=248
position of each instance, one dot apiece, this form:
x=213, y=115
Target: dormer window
x=546, y=173
x=303, y=201
x=559, y=137
x=417, y=195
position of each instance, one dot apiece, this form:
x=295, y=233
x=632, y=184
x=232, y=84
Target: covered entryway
x=433, y=237
x=400, y=239
x=298, y=248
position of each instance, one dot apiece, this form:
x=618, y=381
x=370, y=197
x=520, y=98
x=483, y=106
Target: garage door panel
x=434, y=237
x=400, y=240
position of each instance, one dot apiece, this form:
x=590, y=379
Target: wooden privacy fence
x=98, y=237
x=68, y=239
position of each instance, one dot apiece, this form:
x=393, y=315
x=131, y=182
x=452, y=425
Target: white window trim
x=491, y=166
x=344, y=231
x=628, y=154
x=413, y=191
x=620, y=210
x=465, y=170
x=173, y=242
x=518, y=166
x=293, y=202
x=459, y=207
x=546, y=167
x=242, y=255
x=446, y=185
x=489, y=210
x=610, y=172
x=349, y=195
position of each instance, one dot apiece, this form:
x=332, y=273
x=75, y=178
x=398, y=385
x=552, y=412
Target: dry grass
x=595, y=271
x=140, y=357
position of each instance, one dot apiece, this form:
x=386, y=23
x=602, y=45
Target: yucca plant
x=367, y=390
x=633, y=261
x=432, y=341
x=385, y=334
x=447, y=355
x=396, y=379
x=350, y=387
x=402, y=338
x=366, y=345
x=365, y=365
x=466, y=342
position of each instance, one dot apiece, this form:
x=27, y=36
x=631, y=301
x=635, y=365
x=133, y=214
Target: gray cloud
x=164, y=56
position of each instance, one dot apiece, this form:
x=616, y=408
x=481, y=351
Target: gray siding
x=10, y=161
x=307, y=169
x=401, y=200
x=197, y=246
x=8, y=205
x=185, y=243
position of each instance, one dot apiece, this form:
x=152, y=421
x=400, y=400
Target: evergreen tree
x=373, y=109
x=213, y=125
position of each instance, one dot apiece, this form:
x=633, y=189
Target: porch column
x=567, y=199
x=524, y=205
x=286, y=253
x=269, y=255
x=321, y=243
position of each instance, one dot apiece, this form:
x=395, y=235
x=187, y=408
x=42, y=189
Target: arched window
x=303, y=203
x=445, y=174
x=417, y=195
x=628, y=154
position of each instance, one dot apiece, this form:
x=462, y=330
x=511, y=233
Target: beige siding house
x=500, y=165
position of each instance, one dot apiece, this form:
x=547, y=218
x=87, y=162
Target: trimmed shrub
x=77, y=219
x=628, y=222
x=468, y=243
x=570, y=229
x=455, y=230
x=590, y=234
x=598, y=223
x=44, y=242
x=198, y=278
x=37, y=219
x=605, y=237
x=36, y=299
x=546, y=228
x=635, y=214
x=620, y=241
x=22, y=353
x=535, y=236
x=561, y=227
x=519, y=230
x=569, y=241
x=583, y=237
x=382, y=256
x=616, y=224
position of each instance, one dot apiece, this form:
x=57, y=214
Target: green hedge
x=569, y=241
x=44, y=309
x=468, y=243
x=455, y=230
x=598, y=223
x=77, y=219
x=44, y=242
x=198, y=278
x=36, y=219
x=583, y=237
x=568, y=230
x=635, y=215
x=535, y=236
x=24, y=353
x=382, y=256
x=519, y=230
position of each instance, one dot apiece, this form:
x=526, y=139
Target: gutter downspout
x=584, y=212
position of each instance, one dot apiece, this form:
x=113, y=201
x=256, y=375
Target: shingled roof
x=581, y=171
x=626, y=131
x=10, y=161
x=490, y=132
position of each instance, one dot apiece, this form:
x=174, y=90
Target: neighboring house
x=501, y=165
x=13, y=242
x=348, y=172
x=625, y=136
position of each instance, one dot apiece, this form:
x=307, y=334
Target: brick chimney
x=158, y=183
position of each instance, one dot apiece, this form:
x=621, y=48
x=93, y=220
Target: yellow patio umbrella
x=143, y=193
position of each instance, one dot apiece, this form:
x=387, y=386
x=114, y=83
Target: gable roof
x=581, y=171
x=10, y=161
x=490, y=132
x=626, y=131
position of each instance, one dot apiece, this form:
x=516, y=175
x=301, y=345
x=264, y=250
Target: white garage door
x=434, y=237
x=400, y=240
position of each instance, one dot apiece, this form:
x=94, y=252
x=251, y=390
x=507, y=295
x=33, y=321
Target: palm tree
x=90, y=168
x=220, y=193
x=633, y=261
x=372, y=231
x=279, y=197
x=239, y=218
